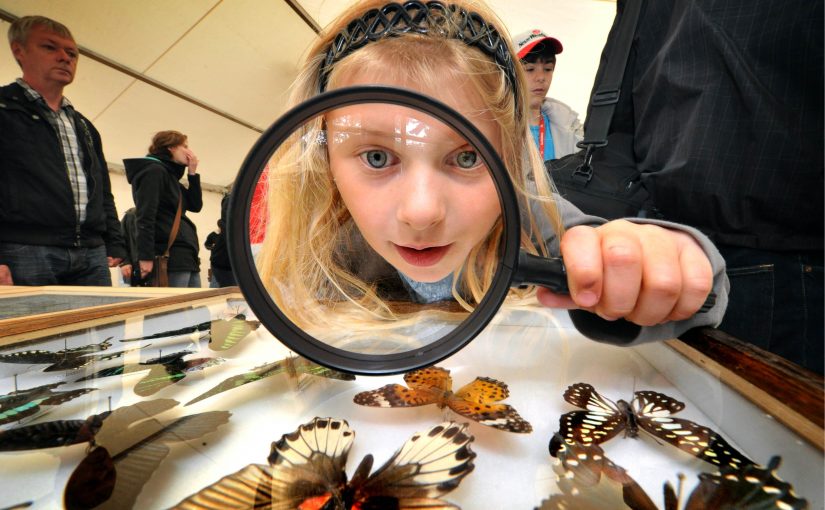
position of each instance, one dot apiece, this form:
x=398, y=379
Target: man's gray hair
x=21, y=28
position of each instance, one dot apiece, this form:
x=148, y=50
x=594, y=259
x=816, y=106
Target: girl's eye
x=376, y=158
x=467, y=160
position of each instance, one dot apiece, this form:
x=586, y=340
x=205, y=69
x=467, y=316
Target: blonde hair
x=307, y=221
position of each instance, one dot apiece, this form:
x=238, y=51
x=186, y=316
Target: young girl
x=434, y=235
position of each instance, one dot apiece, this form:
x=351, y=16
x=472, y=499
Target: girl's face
x=418, y=192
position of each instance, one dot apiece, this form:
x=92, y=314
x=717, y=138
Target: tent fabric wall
x=220, y=70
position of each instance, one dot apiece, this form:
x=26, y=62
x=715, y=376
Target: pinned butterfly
x=649, y=411
x=306, y=470
x=51, y=434
x=64, y=359
x=164, y=370
x=20, y=404
x=293, y=366
x=590, y=481
x=222, y=334
x=126, y=450
x=478, y=401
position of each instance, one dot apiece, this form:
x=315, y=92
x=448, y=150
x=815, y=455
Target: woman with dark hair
x=157, y=192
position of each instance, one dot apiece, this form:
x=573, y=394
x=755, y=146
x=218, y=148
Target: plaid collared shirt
x=61, y=121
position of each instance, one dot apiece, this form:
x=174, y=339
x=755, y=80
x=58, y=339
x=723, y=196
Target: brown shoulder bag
x=160, y=267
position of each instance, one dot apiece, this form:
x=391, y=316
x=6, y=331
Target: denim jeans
x=776, y=303
x=221, y=278
x=54, y=265
x=180, y=279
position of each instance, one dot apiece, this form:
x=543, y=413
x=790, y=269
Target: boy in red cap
x=555, y=126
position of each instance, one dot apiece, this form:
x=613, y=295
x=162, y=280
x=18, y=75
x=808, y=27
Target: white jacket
x=565, y=127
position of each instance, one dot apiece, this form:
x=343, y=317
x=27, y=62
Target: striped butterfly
x=650, y=411
x=65, y=359
x=306, y=471
x=478, y=401
x=590, y=481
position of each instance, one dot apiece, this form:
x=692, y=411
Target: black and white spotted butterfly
x=650, y=411
x=588, y=480
x=306, y=471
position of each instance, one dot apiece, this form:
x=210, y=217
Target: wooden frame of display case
x=793, y=395
x=15, y=330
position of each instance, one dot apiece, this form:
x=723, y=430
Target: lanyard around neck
x=541, y=134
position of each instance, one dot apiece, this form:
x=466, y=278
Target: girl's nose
x=422, y=203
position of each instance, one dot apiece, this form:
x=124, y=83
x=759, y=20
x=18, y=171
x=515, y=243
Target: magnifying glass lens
x=374, y=231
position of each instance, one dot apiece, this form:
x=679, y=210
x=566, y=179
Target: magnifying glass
x=375, y=230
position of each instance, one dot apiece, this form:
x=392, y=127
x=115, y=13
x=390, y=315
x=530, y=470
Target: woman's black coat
x=155, y=190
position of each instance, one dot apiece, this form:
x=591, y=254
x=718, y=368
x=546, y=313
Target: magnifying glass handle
x=544, y=271
x=550, y=272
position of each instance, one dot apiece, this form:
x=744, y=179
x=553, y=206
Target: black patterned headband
x=419, y=17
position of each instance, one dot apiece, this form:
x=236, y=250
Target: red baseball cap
x=526, y=41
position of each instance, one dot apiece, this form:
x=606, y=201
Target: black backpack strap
x=606, y=94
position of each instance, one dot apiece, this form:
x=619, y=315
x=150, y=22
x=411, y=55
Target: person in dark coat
x=220, y=267
x=726, y=114
x=58, y=220
x=128, y=227
x=156, y=190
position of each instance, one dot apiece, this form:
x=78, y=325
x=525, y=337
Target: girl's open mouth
x=423, y=257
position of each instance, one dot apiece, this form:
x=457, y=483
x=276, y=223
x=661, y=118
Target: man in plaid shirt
x=58, y=221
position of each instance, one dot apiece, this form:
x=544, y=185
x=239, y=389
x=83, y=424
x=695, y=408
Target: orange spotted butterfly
x=306, y=472
x=433, y=385
x=590, y=481
x=650, y=411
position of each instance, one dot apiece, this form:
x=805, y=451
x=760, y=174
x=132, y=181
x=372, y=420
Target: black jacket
x=726, y=110
x=155, y=190
x=216, y=241
x=36, y=202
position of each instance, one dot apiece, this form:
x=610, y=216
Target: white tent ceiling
x=218, y=70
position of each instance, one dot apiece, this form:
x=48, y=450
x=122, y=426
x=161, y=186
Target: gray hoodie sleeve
x=625, y=333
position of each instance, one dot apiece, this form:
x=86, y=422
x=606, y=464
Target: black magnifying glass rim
x=261, y=303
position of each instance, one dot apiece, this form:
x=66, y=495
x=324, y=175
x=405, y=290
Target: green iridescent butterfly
x=292, y=366
x=20, y=404
x=223, y=334
x=163, y=371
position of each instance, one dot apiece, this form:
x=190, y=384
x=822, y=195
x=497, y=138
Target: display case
x=184, y=388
